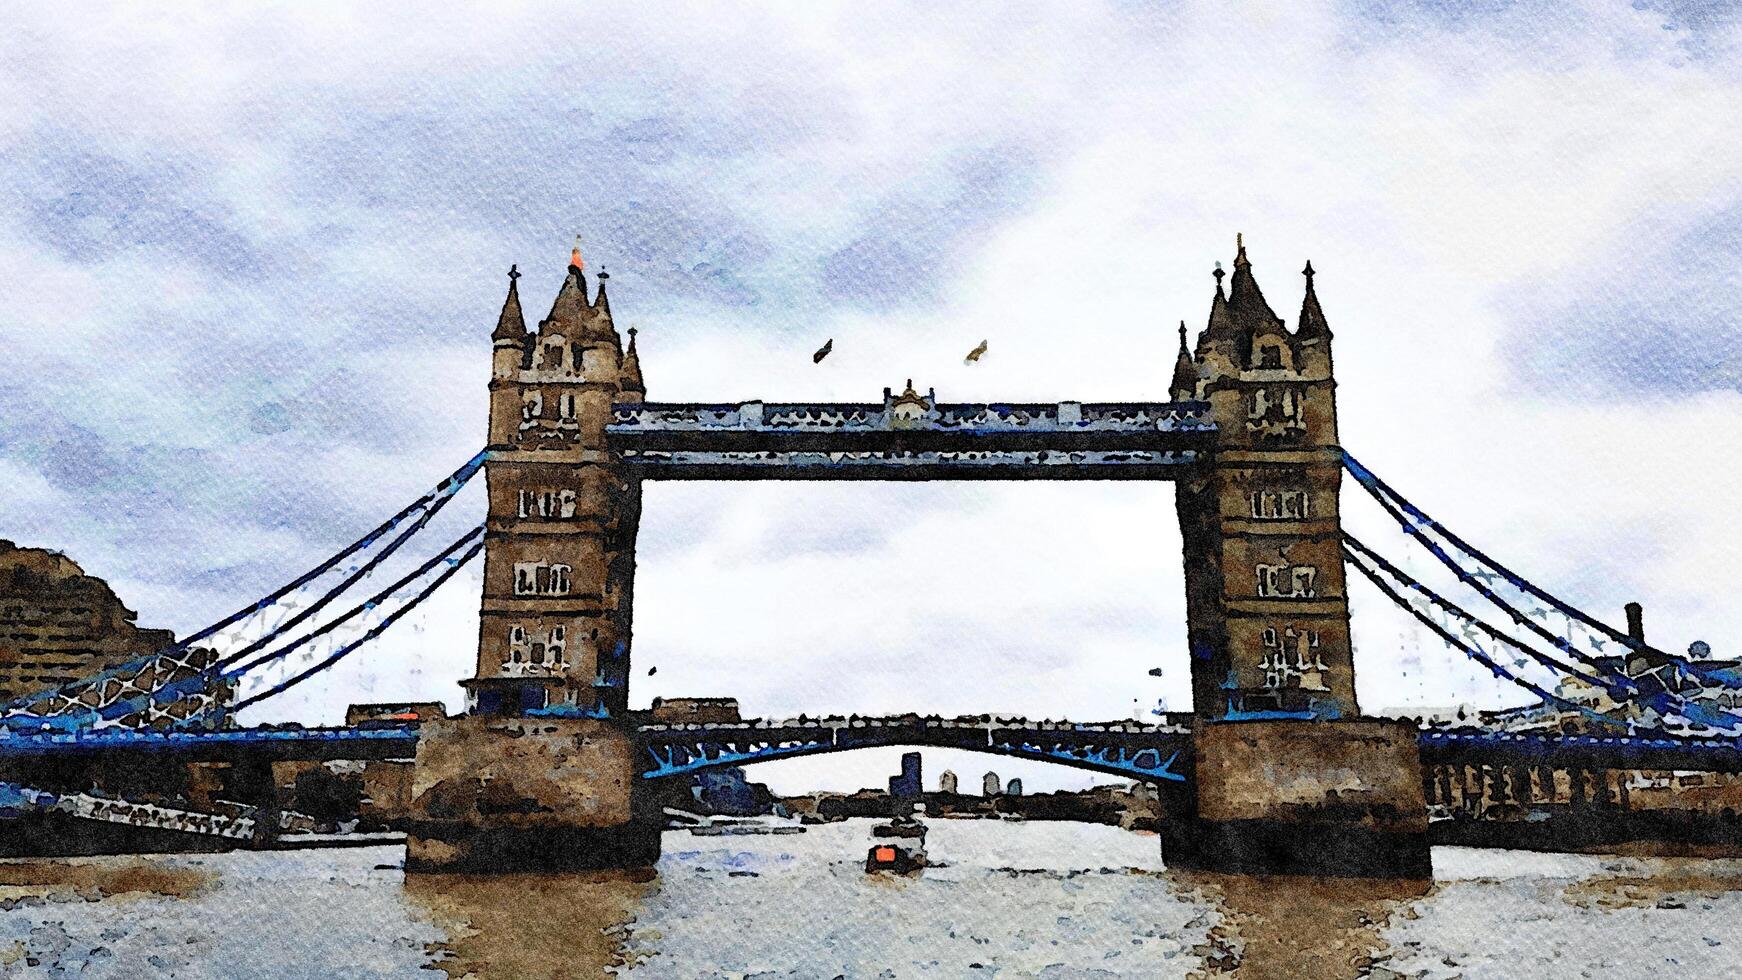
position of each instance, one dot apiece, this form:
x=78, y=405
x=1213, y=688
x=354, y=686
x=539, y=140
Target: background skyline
x=255, y=257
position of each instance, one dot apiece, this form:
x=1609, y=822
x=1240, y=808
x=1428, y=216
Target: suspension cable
x=429, y=503
x=1413, y=529
x=1476, y=654
x=1378, y=487
x=443, y=490
x=1397, y=574
x=454, y=565
x=366, y=605
x=1665, y=700
x=363, y=571
x=172, y=692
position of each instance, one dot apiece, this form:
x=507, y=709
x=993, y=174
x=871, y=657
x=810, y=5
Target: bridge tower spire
x=1268, y=621
x=1185, y=371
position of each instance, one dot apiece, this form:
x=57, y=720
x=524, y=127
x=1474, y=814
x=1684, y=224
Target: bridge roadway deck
x=847, y=441
x=230, y=744
x=1498, y=748
x=1126, y=748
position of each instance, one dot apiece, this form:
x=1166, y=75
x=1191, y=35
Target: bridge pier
x=1326, y=798
x=506, y=794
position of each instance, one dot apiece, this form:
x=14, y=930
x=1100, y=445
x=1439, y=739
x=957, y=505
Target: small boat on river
x=897, y=846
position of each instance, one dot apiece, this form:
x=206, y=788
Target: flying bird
x=823, y=351
x=651, y=670
x=975, y=354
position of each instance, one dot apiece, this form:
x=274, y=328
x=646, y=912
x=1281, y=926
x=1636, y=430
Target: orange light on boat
x=884, y=855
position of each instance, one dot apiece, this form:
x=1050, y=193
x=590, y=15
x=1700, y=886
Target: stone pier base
x=499, y=795
x=1331, y=798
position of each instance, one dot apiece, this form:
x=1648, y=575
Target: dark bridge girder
x=1127, y=749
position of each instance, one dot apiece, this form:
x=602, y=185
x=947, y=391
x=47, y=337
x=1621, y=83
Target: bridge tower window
x=546, y=502
x=556, y=644
x=518, y=649
x=566, y=406
x=1287, y=581
x=531, y=406
x=553, y=354
x=540, y=578
x=1280, y=504
x=1292, y=659
x=1276, y=410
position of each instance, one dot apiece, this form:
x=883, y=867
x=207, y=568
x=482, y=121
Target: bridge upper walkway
x=841, y=441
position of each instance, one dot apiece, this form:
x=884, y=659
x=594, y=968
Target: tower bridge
x=1275, y=768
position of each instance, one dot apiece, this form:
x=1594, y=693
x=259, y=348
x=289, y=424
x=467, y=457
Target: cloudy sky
x=252, y=260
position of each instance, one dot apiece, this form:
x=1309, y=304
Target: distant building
x=989, y=784
x=947, y=782
x=727, y=791
x=695, y=711
x=58, y=624
x=1014, y=787
x=907, y=784
x=1713, y=684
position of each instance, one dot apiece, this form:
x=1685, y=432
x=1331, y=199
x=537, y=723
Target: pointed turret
x=511, y=325
x=598, y=319
x=629, y=374
x=1246, y=303
x=601, y=304
x=1221, y=325
x=570, y=307
x=1312, y=325
x=1185, y=370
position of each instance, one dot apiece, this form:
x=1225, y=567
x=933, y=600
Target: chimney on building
x=1636, y=622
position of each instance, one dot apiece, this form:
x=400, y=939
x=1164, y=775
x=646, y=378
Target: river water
x=1046, y=900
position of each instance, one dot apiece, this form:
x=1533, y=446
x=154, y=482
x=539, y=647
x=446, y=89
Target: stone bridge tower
x=541, y=773
x=1286, y=777
x=559, y=554
x=1268, y=619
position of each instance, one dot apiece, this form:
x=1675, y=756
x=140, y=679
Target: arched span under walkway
x=1129, y=749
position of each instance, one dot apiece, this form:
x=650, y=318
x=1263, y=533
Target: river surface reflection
x=1010, y=900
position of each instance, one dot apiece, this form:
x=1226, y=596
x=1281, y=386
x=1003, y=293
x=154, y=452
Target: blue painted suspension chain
x=1385, y=494
x=179, y=689
x=454, y=565
x=1398, y=507
x=429, y=504
x=1474, y=653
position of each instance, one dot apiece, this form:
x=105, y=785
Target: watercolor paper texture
x=1042, y=490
